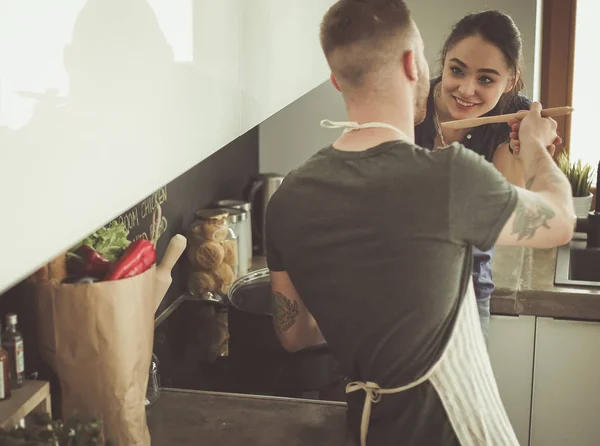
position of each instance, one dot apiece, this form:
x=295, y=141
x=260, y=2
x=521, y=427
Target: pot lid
x=252, y=293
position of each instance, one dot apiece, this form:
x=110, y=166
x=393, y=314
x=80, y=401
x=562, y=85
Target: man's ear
x=334, y=82
x=409, y=63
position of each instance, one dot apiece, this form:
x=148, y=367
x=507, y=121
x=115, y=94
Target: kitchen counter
x=191, y=418
x=524, y=280
x=507, y=265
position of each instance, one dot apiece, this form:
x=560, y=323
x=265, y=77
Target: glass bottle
x=12, y=341
x=4, y=373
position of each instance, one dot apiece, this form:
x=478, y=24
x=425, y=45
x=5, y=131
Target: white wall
x=102, y=102
x=586, y=116
x=291, y=136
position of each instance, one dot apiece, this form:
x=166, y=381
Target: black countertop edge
x=256, y=397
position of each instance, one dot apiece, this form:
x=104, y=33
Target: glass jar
x=212, y=253
x=245, y=232
x=237, y=220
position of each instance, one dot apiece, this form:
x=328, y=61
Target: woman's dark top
x=483, y=140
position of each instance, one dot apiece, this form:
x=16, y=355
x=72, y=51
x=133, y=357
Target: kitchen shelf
x=34, y=396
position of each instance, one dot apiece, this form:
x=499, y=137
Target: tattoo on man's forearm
x=285, y=312
x=529, y=183
x=529, y=217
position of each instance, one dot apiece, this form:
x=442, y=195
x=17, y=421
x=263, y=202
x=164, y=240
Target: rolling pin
x=163, y=271
x=475, y=122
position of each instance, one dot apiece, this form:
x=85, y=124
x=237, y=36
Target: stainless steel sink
x=577, y=266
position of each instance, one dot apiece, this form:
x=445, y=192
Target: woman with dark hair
x=482, y=72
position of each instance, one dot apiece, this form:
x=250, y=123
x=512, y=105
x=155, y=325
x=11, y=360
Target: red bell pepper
x=94, y=264
x=88, y=262
x=139, y=256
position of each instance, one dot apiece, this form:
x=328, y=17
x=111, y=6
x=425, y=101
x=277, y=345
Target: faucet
x=593, y=220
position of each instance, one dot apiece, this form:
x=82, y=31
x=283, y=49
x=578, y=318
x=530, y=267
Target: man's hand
x=543, y=215
x=536, y=127
x=515, y=143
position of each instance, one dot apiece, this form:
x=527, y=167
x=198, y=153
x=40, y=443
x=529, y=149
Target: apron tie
x=373, y=392
x=373, y=396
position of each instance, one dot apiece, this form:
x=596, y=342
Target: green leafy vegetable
x=110, y=242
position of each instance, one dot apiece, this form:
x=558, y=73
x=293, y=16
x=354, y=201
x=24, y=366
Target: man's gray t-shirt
x=378, y=245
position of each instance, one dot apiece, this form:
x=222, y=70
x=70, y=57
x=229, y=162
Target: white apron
x=462, y=377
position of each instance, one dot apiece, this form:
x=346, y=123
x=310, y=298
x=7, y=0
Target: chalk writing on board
x=135, y=216
x=161, y=230
x=149, y=204
x=130, y=219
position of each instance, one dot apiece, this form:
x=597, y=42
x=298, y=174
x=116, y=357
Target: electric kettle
x=260, y=192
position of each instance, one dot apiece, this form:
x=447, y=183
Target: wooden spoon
x=475, y=122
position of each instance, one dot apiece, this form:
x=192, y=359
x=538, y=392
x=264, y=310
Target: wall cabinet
x=511, y=350
x=280, y=54
x=566, y=384
x=104, y=102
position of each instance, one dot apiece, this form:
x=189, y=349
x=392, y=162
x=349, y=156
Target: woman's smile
x=465, y=104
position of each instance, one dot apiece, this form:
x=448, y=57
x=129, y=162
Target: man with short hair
x=369, y=242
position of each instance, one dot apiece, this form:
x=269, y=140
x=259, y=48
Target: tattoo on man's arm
x=285, y=312
x=531, y=216
x=529, y=183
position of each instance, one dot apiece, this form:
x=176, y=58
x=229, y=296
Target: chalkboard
x=139, y=219
x=224, y=175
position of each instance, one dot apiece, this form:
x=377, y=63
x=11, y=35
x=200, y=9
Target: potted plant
x=580, y=176
x=42, y=431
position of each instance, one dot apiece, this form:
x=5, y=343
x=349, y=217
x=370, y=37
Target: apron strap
x=349, y=126
x=373, y=396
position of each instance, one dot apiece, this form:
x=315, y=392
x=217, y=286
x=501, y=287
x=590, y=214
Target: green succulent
x=579, y=174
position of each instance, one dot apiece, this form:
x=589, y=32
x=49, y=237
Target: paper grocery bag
x=98, y=338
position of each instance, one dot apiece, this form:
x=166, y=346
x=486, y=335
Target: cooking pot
x=255, y=353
